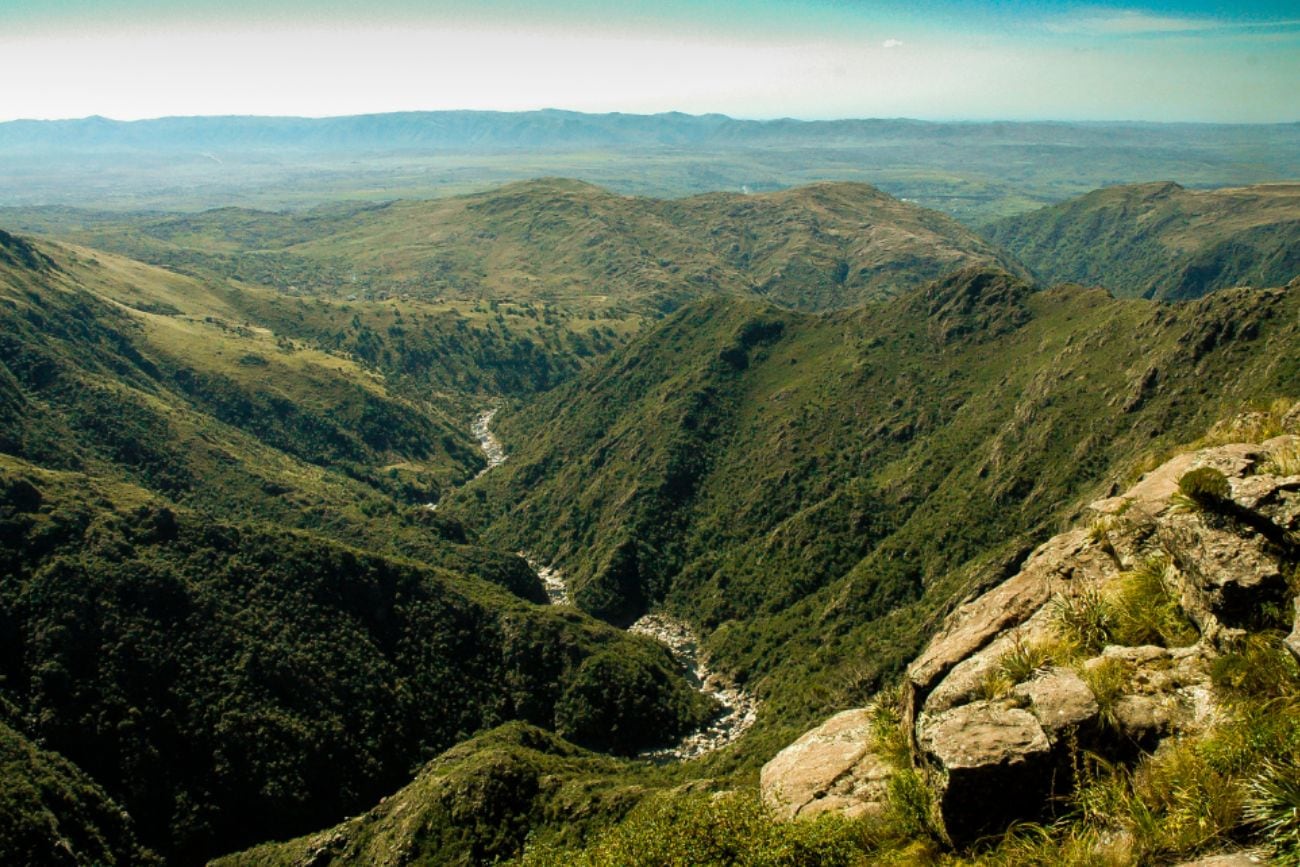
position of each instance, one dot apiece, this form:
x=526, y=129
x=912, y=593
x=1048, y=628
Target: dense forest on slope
x=224, y=677
x=812, y=491
x=1160, y=240
x=825, y=246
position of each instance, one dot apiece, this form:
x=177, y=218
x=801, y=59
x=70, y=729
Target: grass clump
x=1260, y=667
x=1283, y=460
x=1016, y=665
x=1202, y=489
x=1145, y=609
x=1085, y=621
x=1109, y=680
x=1273, y=807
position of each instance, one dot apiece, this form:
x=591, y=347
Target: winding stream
x=738, y=708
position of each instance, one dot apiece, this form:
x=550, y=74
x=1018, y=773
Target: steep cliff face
x=1152, y=636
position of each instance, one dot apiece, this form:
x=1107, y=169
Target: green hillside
x=256, y=592
x=221, y=598
x=1160, y=240
x=813, y=491
x=567, y=243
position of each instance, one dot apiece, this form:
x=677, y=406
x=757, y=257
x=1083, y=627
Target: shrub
x=714, y=829
x=1204, y=488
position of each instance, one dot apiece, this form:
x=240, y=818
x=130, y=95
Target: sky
x=810, y=59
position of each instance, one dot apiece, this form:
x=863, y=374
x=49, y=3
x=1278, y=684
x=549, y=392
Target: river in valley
x=738, y=709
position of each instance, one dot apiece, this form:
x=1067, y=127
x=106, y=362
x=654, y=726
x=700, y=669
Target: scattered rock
x=829, y=769
x=739, y=709
x=492, y=448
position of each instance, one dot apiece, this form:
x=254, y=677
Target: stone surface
x=1231, y=859
x=977, y=623
x=1142, y=719
x=1276, y=498
x=829, y=769
x=996, y=763
x=1152, y=492
x=1231, y=572
x=1060, y=700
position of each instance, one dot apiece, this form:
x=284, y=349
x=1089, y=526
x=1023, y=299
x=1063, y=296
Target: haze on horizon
x=1178, y=60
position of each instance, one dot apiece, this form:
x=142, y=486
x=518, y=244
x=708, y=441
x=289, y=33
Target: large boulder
x=996, y=767
x=1230, y=570
x=832, y=768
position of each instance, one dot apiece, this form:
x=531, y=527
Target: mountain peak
x=978, y=300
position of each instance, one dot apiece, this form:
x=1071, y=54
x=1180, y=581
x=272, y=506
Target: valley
x=555, y=524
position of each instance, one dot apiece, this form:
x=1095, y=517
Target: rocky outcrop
x=832, y=768
x=1020, y=678
x=995, y=762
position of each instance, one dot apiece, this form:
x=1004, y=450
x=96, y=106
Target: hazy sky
x=938, y=59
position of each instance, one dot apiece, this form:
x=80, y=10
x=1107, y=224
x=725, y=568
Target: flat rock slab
x=1011, y=603
x=831, y=768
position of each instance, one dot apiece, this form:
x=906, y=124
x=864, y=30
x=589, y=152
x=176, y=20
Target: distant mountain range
x=975, y=171
x=552, y=129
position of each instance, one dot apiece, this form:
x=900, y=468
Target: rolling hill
x=824, y=246
x=1160, y=240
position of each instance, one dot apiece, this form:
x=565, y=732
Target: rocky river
x=738, y=709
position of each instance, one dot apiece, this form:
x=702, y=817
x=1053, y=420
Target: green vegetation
x=813, y=491
x=570, y=249
x=287, y=679
x=51, y=812
x=227, y=604
x=1160, y=240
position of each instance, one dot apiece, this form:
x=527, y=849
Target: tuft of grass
x=1084, y=621
x=1283, y=460
x=1202, y=489
x=1259, y=667
x=888, y=733
x=1273, y=808
x=1144, y=608
x=1109, y=680
x=1016, y=666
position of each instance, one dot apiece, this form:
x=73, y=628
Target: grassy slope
x=155, y=603
x=1160, y=240
x=823, y=246
x=813, y=491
